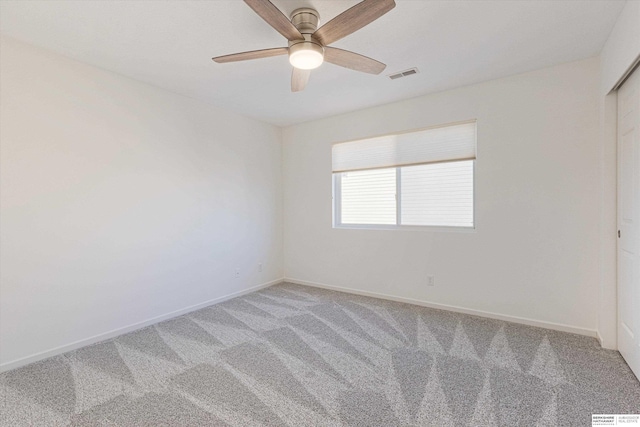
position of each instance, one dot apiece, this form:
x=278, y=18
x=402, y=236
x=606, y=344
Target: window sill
x=427, y=228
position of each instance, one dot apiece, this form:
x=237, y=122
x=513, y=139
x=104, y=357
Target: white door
x=629, y=221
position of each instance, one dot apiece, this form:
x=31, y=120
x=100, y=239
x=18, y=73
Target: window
x=421, y=178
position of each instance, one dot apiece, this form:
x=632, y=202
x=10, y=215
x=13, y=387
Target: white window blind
x=446, y=143
x=369, y=197
x=424, y=178
x=438, y=194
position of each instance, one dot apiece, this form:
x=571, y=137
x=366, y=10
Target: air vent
x=404, y=73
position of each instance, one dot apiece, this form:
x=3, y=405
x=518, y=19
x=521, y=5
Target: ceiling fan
x=308, y=44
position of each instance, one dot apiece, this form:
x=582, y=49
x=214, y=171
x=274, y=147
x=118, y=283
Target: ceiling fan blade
x=352, y=20
x=253, y=54
x=353, y=61
x=299, y=79
x=275, y=18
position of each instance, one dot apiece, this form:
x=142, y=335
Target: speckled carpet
x=299, y=356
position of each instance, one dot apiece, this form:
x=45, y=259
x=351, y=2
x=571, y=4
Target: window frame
x=337, y=207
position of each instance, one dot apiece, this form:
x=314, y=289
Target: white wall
x=121, y=202
x=535, y=252
x=618, y=55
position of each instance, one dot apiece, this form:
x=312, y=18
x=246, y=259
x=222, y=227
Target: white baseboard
x=116, y=332
x=609, y=343
x=507, y=318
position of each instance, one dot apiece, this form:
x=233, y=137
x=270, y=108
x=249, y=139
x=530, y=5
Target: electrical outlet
x=431, y=281
x=237, y=273
x=260, y=267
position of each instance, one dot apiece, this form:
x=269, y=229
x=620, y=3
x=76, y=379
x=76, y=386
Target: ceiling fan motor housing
x=305, y=20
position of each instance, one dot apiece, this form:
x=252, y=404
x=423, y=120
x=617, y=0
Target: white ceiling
x=453, y=43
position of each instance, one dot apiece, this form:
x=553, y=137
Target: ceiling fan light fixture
x=306, y=55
